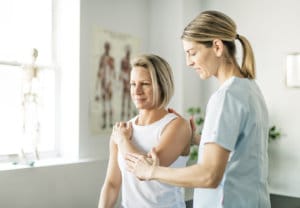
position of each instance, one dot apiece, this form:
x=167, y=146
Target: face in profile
x=141, y=88
x=201, y=58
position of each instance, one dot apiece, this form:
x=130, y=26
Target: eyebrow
x=144, y=80
x=188, y=50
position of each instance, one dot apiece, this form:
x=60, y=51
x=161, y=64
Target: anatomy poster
x=109, y=87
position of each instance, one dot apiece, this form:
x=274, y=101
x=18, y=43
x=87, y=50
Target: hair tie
x=237, y=36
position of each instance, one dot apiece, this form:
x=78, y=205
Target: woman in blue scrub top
x=232, y=168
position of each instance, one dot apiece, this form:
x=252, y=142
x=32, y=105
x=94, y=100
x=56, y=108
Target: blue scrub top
x=237, y=119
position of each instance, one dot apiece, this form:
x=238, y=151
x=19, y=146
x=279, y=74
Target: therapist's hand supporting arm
x=196, y=138
x=207, y=174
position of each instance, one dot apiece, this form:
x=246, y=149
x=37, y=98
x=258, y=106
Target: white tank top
x=150, y=194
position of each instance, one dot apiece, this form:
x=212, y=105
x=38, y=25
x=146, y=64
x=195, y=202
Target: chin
x=139, y=106
x=202, y=76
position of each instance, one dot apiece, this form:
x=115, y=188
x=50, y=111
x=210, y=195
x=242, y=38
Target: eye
x=193, y=54
x=146, y=83
x=132, y=84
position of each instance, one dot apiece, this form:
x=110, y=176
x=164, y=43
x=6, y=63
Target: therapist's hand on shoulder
x=195, y=139
x=121, y=131
x=142, y=166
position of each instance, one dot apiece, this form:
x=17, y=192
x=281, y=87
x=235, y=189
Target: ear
x=218, y=47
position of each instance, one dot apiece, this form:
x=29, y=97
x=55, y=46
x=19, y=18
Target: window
x=25, y=119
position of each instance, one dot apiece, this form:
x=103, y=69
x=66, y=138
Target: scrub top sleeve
x=223, y=120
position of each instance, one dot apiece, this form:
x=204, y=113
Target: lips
x=198, y=69
x=139, y=99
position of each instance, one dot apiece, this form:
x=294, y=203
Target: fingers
x=171, y=110
x=154, y=157
x=121, y=124
x=193, y=128
x=192, y=123
x=141, y=166
x=132, y=157
x=129, y=125
x=131, y=161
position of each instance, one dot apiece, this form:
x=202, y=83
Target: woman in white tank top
x=152, y=87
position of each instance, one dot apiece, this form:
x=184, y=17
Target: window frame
x=15, y=157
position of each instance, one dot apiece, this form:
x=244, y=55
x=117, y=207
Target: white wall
x=193, y=88
x=62, y=186
x=273, y=28
x=167, y=21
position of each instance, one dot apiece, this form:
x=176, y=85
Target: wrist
x=153, y=171
x=122, y=139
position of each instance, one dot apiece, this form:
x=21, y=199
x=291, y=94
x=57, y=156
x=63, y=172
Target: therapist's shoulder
x=232, y=93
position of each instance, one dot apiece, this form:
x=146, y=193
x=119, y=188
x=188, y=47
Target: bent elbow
x=212, y=181
x=213, y=184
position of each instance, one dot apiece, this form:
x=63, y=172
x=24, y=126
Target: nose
x=188, y=60
x=138, y=89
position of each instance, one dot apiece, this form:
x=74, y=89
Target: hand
x=171, y=110
x=121, y=130
x=193, y=128
x=142, y=166
x=195, y=138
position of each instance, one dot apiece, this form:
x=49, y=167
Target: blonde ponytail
x=248, y=62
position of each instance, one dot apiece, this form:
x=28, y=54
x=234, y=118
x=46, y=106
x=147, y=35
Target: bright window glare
x=12, y=114
x=10, y=110
x=26, y=25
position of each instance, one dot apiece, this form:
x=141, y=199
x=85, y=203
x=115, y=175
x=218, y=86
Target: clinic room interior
x=59, y=43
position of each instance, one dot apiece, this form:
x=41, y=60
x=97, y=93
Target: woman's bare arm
x=111, y=187
x=174, y=141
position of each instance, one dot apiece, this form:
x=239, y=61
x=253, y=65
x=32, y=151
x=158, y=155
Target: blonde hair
x=210, y=25
x=161, y=76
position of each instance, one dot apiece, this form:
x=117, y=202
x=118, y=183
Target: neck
x=147, y=117
x=227, y=71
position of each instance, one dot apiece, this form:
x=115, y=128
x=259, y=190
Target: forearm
x=126, y=146
x=108, y=197
x=192, y=176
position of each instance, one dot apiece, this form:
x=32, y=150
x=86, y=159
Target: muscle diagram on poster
x=110, y=72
